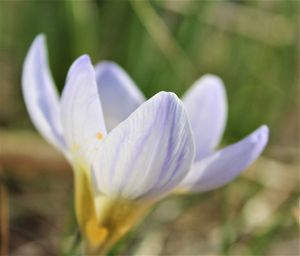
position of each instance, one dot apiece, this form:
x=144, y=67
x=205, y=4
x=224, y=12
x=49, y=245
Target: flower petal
x=119, y=95
x=81, y=111
x=40, y=94
x=206, y=105
x=149, y=153
x=224, y=165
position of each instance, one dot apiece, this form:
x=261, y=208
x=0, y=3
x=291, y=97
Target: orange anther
x=99, y=136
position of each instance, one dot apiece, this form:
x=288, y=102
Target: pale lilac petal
x=81, y=111
x=149, y=153
x=40, y=94
x=223, y=166
x=119, y=94
x=206, y=106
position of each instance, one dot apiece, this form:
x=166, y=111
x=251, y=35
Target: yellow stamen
x=99, y=136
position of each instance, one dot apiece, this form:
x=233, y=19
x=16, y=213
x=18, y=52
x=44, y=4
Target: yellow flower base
x=103, y=220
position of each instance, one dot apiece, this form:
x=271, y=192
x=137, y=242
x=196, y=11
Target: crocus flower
x=126, y=152
x=120, y=172
x=206, y=106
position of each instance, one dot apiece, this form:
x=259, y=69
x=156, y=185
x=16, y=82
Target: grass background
x=166, y=45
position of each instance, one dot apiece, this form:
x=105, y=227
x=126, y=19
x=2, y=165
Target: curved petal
x=224, y=165
x=81, y=112
x=206, y=105
x=40, y=94
x=119, y=95
x=149, y=153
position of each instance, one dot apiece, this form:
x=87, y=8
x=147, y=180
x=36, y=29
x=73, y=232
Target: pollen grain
x=99, y=136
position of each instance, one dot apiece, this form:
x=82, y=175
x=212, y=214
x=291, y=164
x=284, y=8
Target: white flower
x=126, y=152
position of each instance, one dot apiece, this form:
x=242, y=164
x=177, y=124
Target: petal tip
x=84, y=59
x=40, y=38
x=38, y=46
x=263, y=135
x=212, y=85
x=167, y=94
x=259, y=139
x=168, y=97
x=212, y=80
x=80, y=63
x=209, y=76
x=264, y=128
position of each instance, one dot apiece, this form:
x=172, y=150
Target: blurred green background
x=166, y=45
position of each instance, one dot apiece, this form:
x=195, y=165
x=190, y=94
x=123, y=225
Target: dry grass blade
x=38, y=156
x=251, y=22
x=4, y=224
